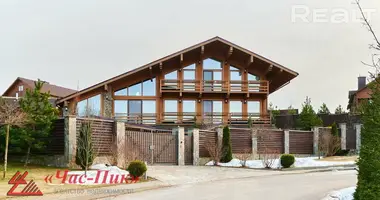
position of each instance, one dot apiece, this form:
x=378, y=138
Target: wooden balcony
x=192, y=118
x=194, y=86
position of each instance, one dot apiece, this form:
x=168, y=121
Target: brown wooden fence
x=151, y=145
x=206, y=137
x=272, y=140
x=301, y=142
x=102, y=135
x=56, y=145
x=241, y=140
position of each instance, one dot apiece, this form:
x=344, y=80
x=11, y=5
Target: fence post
x=181, y=146
x=343, y=135
x=70, y=138
x=254, y=141
x=286, y=141
x=358, y=128
x=220, y=135
x=195, y=146
x=315, y=140
x=120, y=143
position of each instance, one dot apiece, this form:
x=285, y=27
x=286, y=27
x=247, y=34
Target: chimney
x=362, y=82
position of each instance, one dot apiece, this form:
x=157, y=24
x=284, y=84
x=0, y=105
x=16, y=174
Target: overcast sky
x=88, y=41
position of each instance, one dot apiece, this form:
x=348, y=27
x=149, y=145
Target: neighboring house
x=214, y=81
x=357, y=97
x=20, y=85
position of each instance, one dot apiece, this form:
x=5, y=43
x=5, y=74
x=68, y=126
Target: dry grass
x=37, y=173
x=340, y=158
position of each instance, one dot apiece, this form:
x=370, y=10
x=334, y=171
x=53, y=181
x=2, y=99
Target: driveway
x=226, y=184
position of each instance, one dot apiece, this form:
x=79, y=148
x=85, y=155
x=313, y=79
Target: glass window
x=122, y=92
x=172, y=75
x=149, y=107
x=94, y=105
x=188, y=106
x=170, y=105
x=254, y=108
x=121, y=107
x=149, y=87
x=218, y=75
x=217, y=106
x=207, y=106
x=135, y=90
x=211, y=64
x=252, y=77
x=134, y=107
x=189, y=75
x=81, y=108
x=192, y=66
x=235, y=76
x=236, y=106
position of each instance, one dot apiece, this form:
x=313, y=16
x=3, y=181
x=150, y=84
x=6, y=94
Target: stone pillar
x=286, y=141
x=254, y=142
x=315, y=140
x=107, y=104
x=195, y=146
x=343, y=138
x=181, y=146
x=358, y=128
x=70, y=138
x=220, y=135
x=120, y=143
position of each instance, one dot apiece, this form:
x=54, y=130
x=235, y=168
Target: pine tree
x=226, y=145
x=40, y=115
x=339, y=110
x=324, y=109
x=308, y=118
x=85, y=154
x=368, y=185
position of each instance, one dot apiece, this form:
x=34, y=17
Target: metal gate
x=188, y=149
x=154, y=146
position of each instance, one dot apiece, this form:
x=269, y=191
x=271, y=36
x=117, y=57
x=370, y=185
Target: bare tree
x=269, y=157
x=376, y=56
x=328, y=144
x=215, y=150
x=10, y=116
x=244, y=156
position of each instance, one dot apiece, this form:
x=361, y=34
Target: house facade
x=214, y=81
x=359, y=96
x=19, y=87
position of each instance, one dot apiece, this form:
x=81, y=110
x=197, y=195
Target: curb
x=327, y=168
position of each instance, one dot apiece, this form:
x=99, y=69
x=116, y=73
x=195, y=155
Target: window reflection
x=172, y=75
x=211, y=64
x=149, y=87
x=89, y=107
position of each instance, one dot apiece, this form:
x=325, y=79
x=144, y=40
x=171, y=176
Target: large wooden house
x=215, y=81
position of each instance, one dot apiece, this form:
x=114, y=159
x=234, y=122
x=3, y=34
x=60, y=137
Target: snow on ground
x=98, y=174
x=300, y=162
x=343, y=194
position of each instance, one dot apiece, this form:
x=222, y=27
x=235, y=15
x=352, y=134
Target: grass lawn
x=38, y=174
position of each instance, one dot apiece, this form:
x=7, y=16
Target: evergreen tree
x=226, y=145
x=368, y=185
x=308, y=118
x=339, y=110
x=291, y=110
x=85, y=154
x=324, y=109
x=40, y=115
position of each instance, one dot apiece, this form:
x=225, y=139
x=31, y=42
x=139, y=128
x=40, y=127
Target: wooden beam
x=202, y=50
x=160, y=66
x=150, y=72
x=250, y=61
x=270, y=68
x=106, y=87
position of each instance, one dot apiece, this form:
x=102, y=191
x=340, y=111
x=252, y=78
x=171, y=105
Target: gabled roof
x=54, y=90
x=291, y=74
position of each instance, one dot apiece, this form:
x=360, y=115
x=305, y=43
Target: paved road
x=295, y=186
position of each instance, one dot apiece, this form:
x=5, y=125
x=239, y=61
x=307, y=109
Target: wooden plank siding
x=271, y=140
x=102, y=135
x=206, y=137
x=56, y=145
x=301, y=142
x=241, y=140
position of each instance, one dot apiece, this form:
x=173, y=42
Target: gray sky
x=64, y=42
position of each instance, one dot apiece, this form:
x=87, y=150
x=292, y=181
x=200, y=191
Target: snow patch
x=300, y=162
x=97, y=174
x=343, y=194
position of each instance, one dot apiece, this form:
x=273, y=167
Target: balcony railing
x=215, y=86
x=191, y=118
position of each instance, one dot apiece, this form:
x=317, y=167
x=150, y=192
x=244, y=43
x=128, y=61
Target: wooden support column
x=180, y=110
x=226, y=111
x=159, y=101
x=245, y=109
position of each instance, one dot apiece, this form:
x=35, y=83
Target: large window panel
x=122, y=92
x=211, y=64
x=149, y=87
x=149, y=111
x=189, y=106
x=135, y=90
x=254, y=108
x=170, y=110
x=121, y=108
x=94, y=104
x=188, y=75
x=81, y=108
x=252, y=77
x=172, y=75
x=217, y=107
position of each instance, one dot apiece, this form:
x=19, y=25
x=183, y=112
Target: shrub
x=287, y=160
x=137, y=168
x=85, y=152
x=227, y=149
